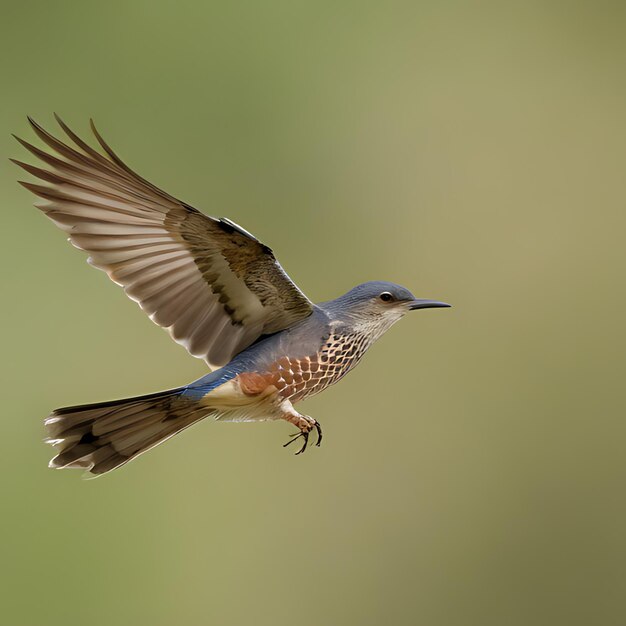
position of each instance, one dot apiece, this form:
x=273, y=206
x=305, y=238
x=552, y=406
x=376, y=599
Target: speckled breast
x=296, y=379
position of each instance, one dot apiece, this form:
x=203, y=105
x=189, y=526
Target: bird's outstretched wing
x=212, y=285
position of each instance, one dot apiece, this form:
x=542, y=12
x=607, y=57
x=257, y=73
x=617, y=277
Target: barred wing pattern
x=211, y=284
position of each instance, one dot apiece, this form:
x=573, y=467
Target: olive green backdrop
x=473, y=469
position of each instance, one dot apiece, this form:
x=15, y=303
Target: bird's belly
x=245, y=398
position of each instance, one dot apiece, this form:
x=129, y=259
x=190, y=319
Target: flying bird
x=216, y=289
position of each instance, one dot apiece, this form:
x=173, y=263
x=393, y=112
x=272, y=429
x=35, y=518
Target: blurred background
x=473, y=468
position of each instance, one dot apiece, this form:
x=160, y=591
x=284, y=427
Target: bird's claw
x=319, y=434
x=302, y=433
x=305, y=435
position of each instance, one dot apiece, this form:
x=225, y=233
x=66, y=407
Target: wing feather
x=209, y=282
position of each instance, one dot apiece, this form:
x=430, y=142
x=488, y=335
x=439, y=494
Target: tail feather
x=101, y=437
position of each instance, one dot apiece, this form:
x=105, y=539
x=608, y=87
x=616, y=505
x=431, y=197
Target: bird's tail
x=101, y=437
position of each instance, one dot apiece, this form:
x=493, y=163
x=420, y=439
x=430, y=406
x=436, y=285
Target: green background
x=473, y=471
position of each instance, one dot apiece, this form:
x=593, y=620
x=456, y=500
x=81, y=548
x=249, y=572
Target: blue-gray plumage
x=217, y=290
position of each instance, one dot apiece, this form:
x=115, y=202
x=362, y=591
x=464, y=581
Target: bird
x=215, y=288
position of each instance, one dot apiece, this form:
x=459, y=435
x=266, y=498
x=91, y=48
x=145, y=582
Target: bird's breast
x=296, y=378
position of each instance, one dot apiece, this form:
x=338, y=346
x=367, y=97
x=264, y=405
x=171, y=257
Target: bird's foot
x=303, y=422
x=306, y=426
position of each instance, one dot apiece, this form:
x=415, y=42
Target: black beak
x=427, y=304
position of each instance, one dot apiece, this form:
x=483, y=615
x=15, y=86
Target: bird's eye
x=385, y=296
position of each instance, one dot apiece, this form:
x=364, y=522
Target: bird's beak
x=426, y=304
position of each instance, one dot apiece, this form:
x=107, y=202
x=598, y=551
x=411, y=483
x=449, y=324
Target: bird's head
x=380, y=304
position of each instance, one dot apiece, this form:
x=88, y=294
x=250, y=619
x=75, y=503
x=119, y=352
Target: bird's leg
x=305, y=423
